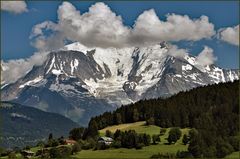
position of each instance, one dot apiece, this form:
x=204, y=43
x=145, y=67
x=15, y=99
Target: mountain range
x=80, y=82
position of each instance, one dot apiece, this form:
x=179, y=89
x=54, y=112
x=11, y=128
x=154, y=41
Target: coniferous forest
x=211, y=111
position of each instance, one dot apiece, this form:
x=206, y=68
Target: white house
x=105, y=140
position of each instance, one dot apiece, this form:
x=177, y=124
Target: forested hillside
x=22, y=125
x=212, y=110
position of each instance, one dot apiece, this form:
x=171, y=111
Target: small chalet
x=27, y=153
x=105, y=140
x=70, y=142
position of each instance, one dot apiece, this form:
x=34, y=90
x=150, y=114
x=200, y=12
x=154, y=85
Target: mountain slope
x=213, y=112
x=203, y=107
x=80, y=82
x=22, y=125
x=47, y=88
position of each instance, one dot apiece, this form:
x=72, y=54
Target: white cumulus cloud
x=177, y=52
x=206, y=57
x=229, y=35
x=12, y=70
x=101, y=27
x=16, y=7
x=150, y=28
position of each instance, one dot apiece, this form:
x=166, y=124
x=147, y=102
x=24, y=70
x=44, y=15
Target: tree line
x=212, y=110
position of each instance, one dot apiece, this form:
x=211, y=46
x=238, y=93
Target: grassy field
x=234, y=155
x=145, y=152
x=123, y=153
x=139, y=127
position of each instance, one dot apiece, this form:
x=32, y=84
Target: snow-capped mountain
x=80, y=82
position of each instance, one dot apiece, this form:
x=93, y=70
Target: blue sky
x=16, y=28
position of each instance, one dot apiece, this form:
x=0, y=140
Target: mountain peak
x=98, y=78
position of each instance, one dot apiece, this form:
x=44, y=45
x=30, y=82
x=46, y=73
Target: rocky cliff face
x=81, y=82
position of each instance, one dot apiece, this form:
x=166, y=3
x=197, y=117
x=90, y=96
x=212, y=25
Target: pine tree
x=76, y=133
x=118, y=118
x=108, y=133
x=185, y=139
x=50, y=137
x=135, y=115
x=156, y=139
x=174, y=135
x=93, y=129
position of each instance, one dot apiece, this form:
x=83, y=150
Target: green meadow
x=144, y=153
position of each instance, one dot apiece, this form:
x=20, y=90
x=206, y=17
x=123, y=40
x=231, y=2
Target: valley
x=22, y=125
